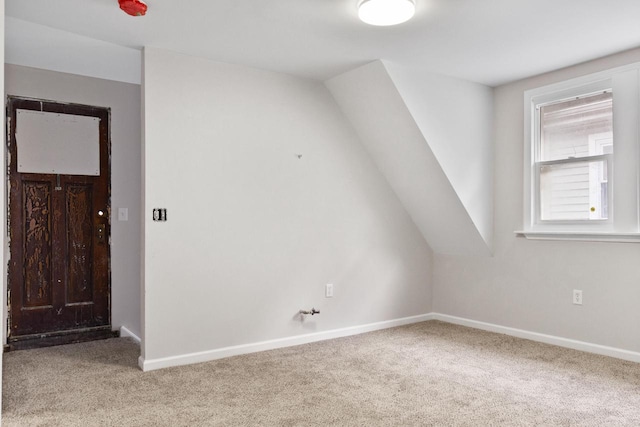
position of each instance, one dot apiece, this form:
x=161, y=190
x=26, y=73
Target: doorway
x=59, y=223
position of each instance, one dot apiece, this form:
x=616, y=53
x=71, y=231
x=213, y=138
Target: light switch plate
x=123, y=214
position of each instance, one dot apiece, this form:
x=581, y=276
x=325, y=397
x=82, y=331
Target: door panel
x=38, y=272
x=59, y=274
x=79, y=242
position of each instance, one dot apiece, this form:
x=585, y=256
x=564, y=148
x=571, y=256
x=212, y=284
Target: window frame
x=622, y=223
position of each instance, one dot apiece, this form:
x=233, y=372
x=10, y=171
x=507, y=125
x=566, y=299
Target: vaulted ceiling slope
x=38, y=46
x=454, y=214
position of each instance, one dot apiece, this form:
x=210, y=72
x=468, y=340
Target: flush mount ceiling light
x=386, y=12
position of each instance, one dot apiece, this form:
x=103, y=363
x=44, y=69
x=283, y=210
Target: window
x=582, y=158
x=572, y=166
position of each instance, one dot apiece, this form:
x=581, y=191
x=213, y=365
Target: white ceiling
x=490, y=42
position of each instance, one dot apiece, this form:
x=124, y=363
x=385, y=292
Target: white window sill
x=581, y=236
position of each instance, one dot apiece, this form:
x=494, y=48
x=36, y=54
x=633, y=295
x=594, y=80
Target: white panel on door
x=55, y=143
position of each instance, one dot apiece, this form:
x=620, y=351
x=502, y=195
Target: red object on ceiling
x=133, y=7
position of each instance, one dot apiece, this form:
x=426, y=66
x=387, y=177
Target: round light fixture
x=386, y=12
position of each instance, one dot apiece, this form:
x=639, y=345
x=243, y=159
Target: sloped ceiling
x=371, y=101
x=37, y=46
x=455, y=118
x=489, y=42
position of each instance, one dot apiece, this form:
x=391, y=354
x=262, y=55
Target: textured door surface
x=59, y=277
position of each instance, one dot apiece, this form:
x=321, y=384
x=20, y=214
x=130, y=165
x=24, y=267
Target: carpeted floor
x=424, y=374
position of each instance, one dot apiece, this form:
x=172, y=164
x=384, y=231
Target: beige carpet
x=429, y=373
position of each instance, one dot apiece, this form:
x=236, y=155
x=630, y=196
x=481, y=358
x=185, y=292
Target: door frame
x=71, y=335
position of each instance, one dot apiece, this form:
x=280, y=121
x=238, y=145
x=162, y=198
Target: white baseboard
x=126, y=332
x=548, y=339
x=205, y=356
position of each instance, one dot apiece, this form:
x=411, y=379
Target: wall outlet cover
x=577, y=297
x=328, y=290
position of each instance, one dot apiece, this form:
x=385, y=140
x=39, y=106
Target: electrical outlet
x=328, y=290
x=577, y=297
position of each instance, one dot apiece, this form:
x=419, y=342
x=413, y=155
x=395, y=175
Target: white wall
x=528, y=284
x=254, y=232
x=124, y=101
x=456, y=119
x=369, y=98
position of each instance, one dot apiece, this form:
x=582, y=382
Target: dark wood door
x=59, y=270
